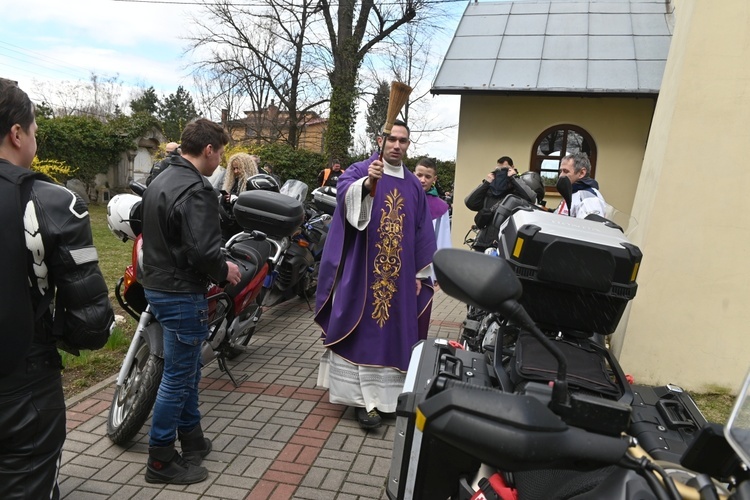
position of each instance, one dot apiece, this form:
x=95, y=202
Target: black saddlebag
x=665, y=420
x=591, y=369
x=423, y=467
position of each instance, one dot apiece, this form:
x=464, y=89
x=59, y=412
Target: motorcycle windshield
x=296, y=189
x=627, y=222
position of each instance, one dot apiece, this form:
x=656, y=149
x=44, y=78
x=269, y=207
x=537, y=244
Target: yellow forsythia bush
x=55, y=169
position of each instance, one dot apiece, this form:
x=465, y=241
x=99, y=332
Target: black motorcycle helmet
x=263, y=182
x=534, y=181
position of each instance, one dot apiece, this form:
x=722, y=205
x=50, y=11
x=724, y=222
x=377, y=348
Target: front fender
x=154, y=337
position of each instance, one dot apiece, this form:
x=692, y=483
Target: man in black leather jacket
x=53, y=294
x=484, y=197
x=173, y=150
x=181, y=256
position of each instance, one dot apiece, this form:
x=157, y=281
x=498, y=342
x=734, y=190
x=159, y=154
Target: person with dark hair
x=374, y=283
x=492, y=190
x=426, y=172
x=268, y=169
x=171, y=149
x=181, y=256
x=330, y=176
x=586, y=196
x=53, y=295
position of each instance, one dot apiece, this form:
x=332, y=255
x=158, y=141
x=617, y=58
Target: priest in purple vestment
x=374, y=281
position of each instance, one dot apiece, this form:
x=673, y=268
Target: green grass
x=716, y=405
x=91, y=367
x=114, y=255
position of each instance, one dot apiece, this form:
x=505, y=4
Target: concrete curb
x=69, y=403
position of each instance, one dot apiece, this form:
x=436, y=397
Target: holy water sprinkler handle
x=399, y=95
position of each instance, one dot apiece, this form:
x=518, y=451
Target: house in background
x=676, y=163
x=271, y=125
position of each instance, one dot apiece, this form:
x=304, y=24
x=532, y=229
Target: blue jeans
x=184, y=320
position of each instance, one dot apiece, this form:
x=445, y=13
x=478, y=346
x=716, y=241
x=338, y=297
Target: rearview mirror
x=565, y=188
x=475, y=278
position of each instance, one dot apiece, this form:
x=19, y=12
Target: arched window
x=556, y=142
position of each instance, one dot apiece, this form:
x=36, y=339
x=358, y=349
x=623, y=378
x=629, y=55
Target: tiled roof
x=558, y=46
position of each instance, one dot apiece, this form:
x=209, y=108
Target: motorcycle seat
x=250, y=255
x=256, y=252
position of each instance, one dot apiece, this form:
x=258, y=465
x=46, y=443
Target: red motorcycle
x=268, y=220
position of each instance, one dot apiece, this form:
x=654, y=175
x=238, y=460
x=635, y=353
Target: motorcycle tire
x=133, y=401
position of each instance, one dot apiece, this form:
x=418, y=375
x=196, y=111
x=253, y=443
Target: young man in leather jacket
x=53, y=294
x=181, y=256
x=481, y=200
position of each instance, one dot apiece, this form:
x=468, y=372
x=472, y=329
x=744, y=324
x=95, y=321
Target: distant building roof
x=558, y=46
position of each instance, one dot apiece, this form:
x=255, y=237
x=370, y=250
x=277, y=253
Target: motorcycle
x=462, y=433
x=268, y=220
x=480, y=329
x=296, y=273
x=545, y=411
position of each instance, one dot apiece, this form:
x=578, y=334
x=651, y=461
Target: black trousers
x=32, y=429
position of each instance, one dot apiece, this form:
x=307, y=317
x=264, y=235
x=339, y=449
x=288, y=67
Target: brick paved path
x=275, y=436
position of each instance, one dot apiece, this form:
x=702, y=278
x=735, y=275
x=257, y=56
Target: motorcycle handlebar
x=512, y=432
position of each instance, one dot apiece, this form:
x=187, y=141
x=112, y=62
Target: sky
x=44, y=43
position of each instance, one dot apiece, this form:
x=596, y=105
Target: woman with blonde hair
x=240, y=168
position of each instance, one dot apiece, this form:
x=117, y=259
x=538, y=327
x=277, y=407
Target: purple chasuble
x=366, y=301
x=437, y=206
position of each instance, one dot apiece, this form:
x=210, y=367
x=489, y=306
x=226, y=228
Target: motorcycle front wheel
x=133, y=400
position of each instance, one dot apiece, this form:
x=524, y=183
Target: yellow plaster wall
x=494, y=126
x=690, y=321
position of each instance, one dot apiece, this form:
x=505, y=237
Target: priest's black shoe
x=368, y=419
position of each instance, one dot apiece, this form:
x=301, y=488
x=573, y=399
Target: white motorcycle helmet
x=124, y=216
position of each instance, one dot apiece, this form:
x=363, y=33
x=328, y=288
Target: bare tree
x=358, y=27
x=99, y=97
x=408, y=58
x=267, y=52
x=217, y=91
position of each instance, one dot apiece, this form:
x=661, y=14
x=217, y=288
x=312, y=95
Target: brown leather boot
x=165, y=465
x=194, y=445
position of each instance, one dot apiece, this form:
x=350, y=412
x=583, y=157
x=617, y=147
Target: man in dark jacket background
x=493, y=189
x=173, y=150
x=181, y=256
x=330, y=176
x=48, y=258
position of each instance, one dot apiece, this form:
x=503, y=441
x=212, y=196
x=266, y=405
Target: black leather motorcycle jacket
x=181, y=233
x=69, y=296
x=160, y=166
x=73, y=264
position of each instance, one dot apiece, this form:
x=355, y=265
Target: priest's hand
x=419, y=285
x=374, y=173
